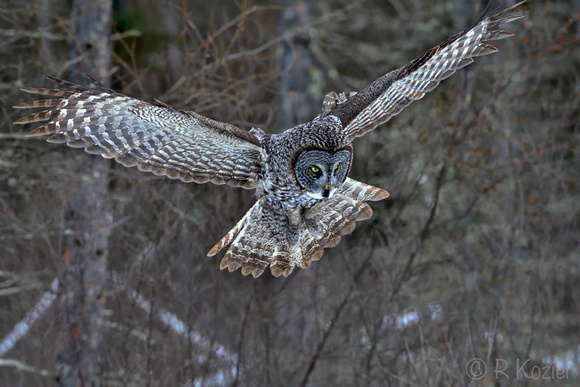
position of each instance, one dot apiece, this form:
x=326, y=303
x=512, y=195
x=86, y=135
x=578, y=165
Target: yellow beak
x=326, y=187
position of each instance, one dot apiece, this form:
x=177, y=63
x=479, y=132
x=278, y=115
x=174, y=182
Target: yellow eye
x=314, y=169
x=336, y=168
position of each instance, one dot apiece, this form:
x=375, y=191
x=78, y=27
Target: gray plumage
x=305, y=201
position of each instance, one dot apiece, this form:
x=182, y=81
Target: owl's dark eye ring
x=315, y=169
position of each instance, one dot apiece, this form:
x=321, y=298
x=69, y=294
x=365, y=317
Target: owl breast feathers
x=305, y=200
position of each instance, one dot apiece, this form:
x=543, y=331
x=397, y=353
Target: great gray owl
x=305, y=199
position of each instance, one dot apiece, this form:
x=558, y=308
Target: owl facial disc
x=320, y=173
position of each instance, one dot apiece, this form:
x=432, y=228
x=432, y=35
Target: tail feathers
x=249, y=249
x=283, y=261
x=229, y=237
x=253, y=246
x=310, y=249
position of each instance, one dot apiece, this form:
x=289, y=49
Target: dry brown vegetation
x=475, y=255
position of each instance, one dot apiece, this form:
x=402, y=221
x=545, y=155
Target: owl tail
x=249, y=249
x=311, y=231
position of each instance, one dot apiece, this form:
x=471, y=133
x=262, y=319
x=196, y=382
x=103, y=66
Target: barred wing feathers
x=155, y=138
x=391, y=93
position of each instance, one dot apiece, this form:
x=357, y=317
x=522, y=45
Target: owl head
x=320, y=173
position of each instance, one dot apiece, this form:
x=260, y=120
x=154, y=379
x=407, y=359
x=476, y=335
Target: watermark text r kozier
x=524, y=369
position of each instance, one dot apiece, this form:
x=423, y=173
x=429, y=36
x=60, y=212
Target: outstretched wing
x=155, y=138
x=254, y=246
x=391, y=93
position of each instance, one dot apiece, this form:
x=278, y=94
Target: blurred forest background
x=474, y=255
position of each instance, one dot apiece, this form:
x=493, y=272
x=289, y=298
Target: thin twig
x=13, y=136
x=405, y=274
x=20, y=366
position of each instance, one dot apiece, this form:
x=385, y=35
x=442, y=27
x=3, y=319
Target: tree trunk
x=295, y=100
x=91, y=39
x=87, y=217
